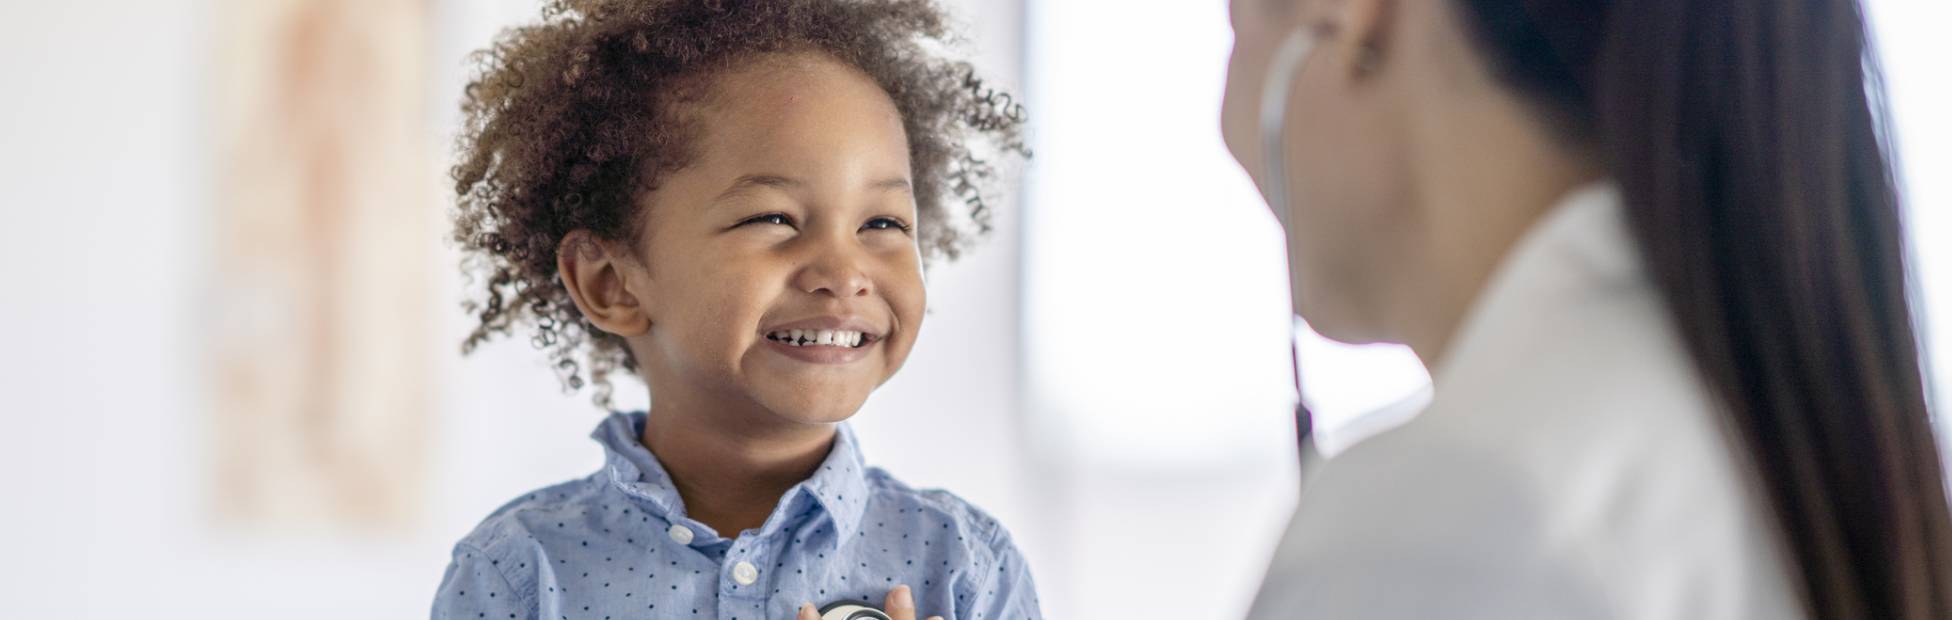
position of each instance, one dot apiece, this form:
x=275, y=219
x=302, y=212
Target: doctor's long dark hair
x=1743, y=135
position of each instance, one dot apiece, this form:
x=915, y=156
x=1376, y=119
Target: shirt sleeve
x=1006, y=592
x=475, y=588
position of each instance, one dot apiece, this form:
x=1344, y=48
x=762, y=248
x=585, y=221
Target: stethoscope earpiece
x=851, y=610
x=1279, y=79
x=1288, y=58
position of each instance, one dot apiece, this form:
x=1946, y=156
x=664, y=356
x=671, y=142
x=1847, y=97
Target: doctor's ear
x=602, y=277
x=1358, y=31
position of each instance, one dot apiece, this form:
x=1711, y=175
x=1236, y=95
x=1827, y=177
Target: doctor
x=1652, y=251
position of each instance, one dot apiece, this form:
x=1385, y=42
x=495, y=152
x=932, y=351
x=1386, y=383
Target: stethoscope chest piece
x=851, y=610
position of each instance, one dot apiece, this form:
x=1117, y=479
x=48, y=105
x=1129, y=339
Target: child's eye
x=885, y=223
x=779, y=219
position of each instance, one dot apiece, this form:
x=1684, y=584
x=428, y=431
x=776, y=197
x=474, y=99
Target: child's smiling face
x=780, y=267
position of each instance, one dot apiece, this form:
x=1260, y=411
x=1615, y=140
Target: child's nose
x=836, y=273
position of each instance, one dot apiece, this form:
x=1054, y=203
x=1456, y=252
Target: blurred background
x=233, y=386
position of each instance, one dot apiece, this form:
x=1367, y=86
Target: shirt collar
x=1580, y=247
x=632, y=468
x=1580, y=251
x=839, y=486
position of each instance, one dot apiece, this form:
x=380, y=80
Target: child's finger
x=901, y=603
x=807, y=612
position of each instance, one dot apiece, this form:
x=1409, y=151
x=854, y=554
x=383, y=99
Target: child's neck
x=731, y=478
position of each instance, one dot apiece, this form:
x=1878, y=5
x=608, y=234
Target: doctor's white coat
x=1571, y=465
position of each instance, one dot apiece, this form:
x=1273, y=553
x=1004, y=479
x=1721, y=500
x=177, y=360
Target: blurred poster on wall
x=325, y=217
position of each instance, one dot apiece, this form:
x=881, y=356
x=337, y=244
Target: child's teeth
x=821, y=337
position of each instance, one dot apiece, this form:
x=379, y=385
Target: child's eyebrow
x=895, y=183
x=761, y=180
x=781, y=182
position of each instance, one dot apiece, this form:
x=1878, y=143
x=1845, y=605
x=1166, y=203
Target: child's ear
x=600, y=280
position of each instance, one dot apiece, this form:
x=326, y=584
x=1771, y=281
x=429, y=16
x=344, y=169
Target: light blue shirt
x=617, y=544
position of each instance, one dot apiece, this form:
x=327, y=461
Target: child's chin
x=818, y=411
x=817, y=416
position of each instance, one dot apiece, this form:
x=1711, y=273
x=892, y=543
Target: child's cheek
x=910, y=306
x=720, y=316
x=910, y=297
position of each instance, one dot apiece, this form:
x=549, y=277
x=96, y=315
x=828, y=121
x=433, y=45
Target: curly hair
x=569, y=120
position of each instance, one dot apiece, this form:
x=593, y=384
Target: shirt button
x=680, y=534
x=744, y=573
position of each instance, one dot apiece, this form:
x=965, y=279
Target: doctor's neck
x=1485, y=167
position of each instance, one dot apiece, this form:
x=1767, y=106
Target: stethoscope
x=851, y=610
x=1281, y=69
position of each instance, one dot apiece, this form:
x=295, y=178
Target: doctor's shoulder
x=1601, y=506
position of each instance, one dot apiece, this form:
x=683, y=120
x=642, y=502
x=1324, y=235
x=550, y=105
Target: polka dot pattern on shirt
x=581, y=548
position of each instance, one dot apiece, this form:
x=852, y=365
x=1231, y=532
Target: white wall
x=1913, y=47
x=1156, y=318
x=98, y=245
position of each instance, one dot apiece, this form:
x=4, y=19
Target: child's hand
x=900, y=606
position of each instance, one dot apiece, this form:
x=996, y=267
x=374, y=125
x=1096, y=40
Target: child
x=731, y=199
